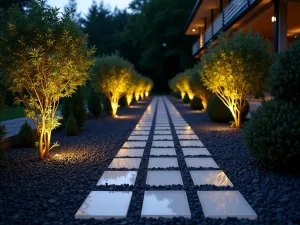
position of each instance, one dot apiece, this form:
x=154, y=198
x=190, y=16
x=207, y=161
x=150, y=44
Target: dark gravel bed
x=50, y=192
x=274, y=196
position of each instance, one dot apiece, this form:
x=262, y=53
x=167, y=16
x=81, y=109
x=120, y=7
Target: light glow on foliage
x=112, y=75
x=45, y=59
x=236, y=67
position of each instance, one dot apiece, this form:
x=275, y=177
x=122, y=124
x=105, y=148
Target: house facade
x=276, y=20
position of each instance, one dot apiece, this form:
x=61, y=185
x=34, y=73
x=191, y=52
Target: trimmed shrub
x=186, y=99
x=75, y=105
x=2, y=131
x=2, y=149
x=105, y=103
x=94, y=103
x=123, y=102
x=284, y=79
x=2, y=100
x=71, y=126
x=272, y=134
x=196, y=103
x=26, y=137
x=219, y=112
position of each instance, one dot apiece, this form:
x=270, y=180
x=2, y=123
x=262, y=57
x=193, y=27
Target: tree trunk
x=238, y=120
x=182, y=95
x=204, y=103
x=128, y=99
x=114, y=106
x=41, y=146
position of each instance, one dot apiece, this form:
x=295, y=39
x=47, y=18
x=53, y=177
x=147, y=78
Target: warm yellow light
x=194, y=30
x=116, y=116
x=273, y=19
x=56, y=155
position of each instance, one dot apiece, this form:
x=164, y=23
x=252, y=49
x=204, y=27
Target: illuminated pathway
x=175, y=156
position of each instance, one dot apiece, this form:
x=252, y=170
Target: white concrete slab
x=223, y=204
x=129, y=163
x=164, y=178
x=162, y=137
x=162, y=144
x=105, y=204
x=191, y=143
x=163, y=151
x=134, y=144
x=162, y=128
x=162, y=132
x=118, y=178
x=195, y=151
x=165, y=204
x=138, y=138
x=162, y=162
x=130, y=152
x=201, y=162
x=142, y=128
x=140, y=132
x=188, y=137
x=210, y=177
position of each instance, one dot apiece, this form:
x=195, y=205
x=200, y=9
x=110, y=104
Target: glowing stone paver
x=201, y=162
x=162, y=162
x=163, y=151
x=162, y=144
x=134, y=144
x=140, y=132
x=118, y=178
x=105, y=204
x=164, y=178
x=191, y=143
x=212, y=177
x=138, y=138
x=223, y=204
x=130, y=152
x=165, y=204
x=195, y=151
x=162, y=132
x=129, y=163
x=162, y=137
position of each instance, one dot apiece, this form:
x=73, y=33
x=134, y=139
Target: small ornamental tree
x=131, y=89
x=45, y=57
x=149, y=86
x=112, y=75
x=198, y=88
x=140, y=85
x=236, y=67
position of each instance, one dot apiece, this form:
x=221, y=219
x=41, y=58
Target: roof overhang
x=201, y=10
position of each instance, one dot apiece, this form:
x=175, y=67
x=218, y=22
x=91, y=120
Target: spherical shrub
x=94, y=103
x=123, y=102
x=186, y=99
x=75, y=105
x=26, y=137
x=71, y=126
x=219, y=112
x=196, y=103
x=273, y=134
x=284, y=79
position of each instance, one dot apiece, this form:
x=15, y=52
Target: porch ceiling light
x=194, y=30
x=273, y=19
